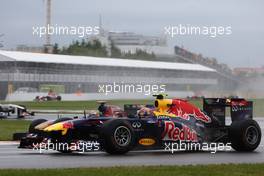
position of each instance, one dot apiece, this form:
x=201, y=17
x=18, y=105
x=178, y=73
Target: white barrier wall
x=94, y=96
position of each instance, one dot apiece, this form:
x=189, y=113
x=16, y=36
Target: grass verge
x=8, y=127
x=76, y=105
x=88, y=105
x=204, y=170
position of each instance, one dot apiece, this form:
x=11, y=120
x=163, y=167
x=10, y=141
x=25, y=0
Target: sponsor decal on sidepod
x=185, y=110
x=146, y=141
x=172, y=133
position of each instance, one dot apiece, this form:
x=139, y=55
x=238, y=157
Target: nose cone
x=56, y=127
x=43, y=125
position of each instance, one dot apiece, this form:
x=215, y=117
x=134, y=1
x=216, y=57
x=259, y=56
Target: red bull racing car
x=152, y=126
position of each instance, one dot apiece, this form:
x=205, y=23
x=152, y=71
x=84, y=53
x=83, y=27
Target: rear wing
x=240, y=109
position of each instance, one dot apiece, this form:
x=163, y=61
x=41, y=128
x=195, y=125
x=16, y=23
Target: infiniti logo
x=136, y=124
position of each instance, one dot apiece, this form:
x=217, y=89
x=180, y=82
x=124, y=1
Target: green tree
x=115, y=52
x=92, y=48
x=95, y=48
x=56, y=49
x=140, y=54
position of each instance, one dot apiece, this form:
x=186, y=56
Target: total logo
x=163, y=117
x=172, y=133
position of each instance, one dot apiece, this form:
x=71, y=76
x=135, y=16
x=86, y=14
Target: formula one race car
x=21, y=111
x=48, y=98
x=171, y=120
x=52, y=96
x=110, y=110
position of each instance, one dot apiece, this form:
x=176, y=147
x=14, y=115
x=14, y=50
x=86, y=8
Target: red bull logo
x=239, y=103
x=184, y=110
x=175, y=134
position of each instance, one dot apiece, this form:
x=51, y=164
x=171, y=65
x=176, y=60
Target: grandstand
x=191, y=57
x=75, y=74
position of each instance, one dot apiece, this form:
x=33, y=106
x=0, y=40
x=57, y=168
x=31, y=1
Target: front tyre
x=245, y=135
x=118, y=137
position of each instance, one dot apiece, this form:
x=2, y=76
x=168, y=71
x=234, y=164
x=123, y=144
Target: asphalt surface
x=12, y=157
x=48, y=116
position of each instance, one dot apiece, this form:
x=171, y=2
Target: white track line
x=9, y=142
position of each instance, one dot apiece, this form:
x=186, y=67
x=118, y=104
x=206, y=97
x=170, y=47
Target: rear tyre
x=36, y=98
x=59, y=98
x=118, y=137
x=65, y=150
x=35, y=123
x=245, y=135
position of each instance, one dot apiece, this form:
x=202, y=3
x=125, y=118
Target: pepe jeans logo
x=136, y=125
x=147, y=141
x=240, y=108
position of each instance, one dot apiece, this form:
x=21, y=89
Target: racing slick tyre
x=37, y=98
x=245, y=135
x=13, y=111
x=35, y=123
x=118, y=137
x=65, y=150
x=58, y=98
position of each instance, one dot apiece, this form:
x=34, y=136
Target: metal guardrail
x=62, y=111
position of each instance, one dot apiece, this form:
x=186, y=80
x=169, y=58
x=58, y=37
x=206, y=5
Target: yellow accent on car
x=163, y=105
x=57, y=127
x=146, y=141
x=43, y=125
x=158, y=114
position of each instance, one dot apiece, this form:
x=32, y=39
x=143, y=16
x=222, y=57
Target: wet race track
x=12, y=157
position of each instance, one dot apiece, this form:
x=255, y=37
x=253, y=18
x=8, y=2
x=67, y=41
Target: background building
x=32, y=49
x=129, y=42
x=78, y=77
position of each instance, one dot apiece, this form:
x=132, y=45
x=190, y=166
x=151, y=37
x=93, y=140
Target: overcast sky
x=244, y=47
